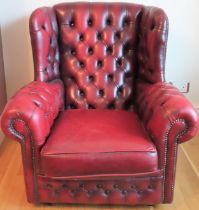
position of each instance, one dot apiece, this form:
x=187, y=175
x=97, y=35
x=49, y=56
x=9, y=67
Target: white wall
x=182, y=54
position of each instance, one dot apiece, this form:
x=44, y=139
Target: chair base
x=145, y=189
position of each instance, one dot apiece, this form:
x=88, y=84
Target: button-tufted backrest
x=103, y=52
x=98, y=53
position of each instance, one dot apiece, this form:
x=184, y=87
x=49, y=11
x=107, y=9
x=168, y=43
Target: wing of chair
x=99, y=125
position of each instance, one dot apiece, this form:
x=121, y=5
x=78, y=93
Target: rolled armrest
x=169, y=119
x=32, y=110
x=162, y=107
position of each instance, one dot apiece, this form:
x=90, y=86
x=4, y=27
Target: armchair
x=99, y=125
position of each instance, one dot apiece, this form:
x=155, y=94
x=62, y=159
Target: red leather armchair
x=99, y=125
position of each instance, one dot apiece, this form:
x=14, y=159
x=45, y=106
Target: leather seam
x=156, y=173
x=175, y=153
x=84, y=153
x=103, y=177
x=22, y=138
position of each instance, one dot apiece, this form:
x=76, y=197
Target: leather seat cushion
x=88, y=142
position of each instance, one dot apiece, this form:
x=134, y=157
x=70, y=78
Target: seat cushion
x=90, y=142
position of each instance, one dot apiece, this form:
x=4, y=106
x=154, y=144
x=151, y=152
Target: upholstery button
x=110, y=78
x=99, y=36
x=101, y=93
x=109, y=50
x=64, y=186
x=151, y=187
x=90, y=50
x=111, y=105
x=72, y=23
x=81, y=185
x=127, y=76
x=89, y=192
x=124, y=192
x=117, y=35
x=71, y=78
x=115, y=186
x=48, y=186
x=152, y=26
x=91, y=78
x=81, y=93
x=126, y=22
x=99, y=63
x=43, y=27
x=51, y=40
x=109, y=21
x=99, y=186
x=90, y=22
x=81, y=37
x=107, y=192
x=81, y=63
x=120, y=91
x=72, y=106
x=73, y=52
x=132, y=186
x=90, y=106
x=73, y=191
x=54, y=66
x=139, y=192
x=119, y=62
x=126, y=49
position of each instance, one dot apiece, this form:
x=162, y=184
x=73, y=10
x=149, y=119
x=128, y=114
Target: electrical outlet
x=183, y=86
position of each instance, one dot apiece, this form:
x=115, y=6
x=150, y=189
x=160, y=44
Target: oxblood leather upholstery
x=109, y=57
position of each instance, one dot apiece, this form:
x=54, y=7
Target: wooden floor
x=12, y=192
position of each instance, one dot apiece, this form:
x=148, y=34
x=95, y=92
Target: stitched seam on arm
x=175, y=152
